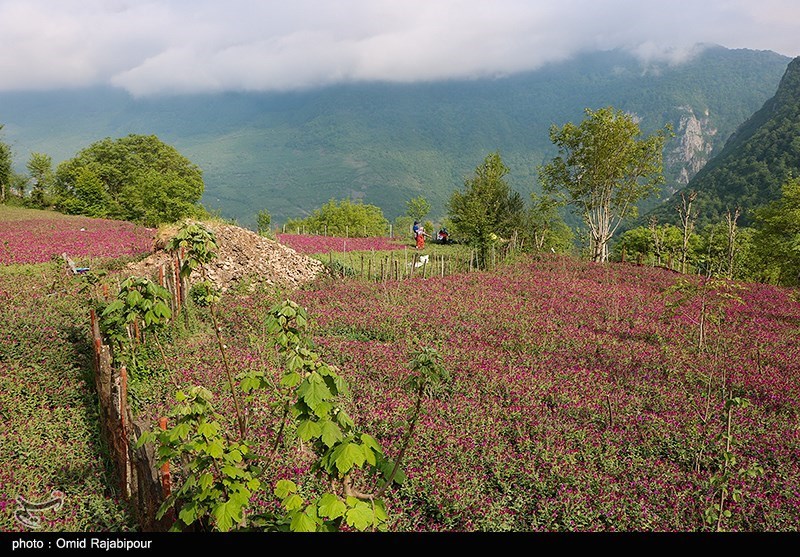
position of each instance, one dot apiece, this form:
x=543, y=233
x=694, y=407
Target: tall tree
x=487, y=208
x=418, y=208
x=142, y=179
x=546, y=227
x=732, y=248
x=688, y=219
x=19, y=183
x=263, y=222
x=777, y=236
x=40, y=169
x=5, y=170
x=604, y=168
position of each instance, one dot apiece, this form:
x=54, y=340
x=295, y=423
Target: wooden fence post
x=166, y=477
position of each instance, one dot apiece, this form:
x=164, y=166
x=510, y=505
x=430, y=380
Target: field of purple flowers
x=37, y=240
x=579, y=400
x=50, y=435
x=310, y=245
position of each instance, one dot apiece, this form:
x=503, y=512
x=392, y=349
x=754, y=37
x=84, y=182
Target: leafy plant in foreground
x=721, y=481
x=141, y=305
x=342, y=451
x=196, y=246
x=714, y=296
x=219, y=476
x=345, y=455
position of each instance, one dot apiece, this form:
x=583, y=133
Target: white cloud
x=149, y=47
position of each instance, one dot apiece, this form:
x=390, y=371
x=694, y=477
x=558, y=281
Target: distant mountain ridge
x=756, y=160
x=384, y=143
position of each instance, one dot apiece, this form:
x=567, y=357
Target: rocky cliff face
x=694, y=141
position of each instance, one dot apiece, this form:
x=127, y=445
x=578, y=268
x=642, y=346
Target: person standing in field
x=421, y=238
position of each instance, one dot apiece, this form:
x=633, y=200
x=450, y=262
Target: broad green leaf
x=206, y=480
x=288, y=311
x=162, y=310
x=293, y=502
x=294, y=362
x=234, y=455
x=360, y=517
x=323, y=409
x=222, y=517
x=232, y=471
x=303, y=523
x=116, y=305
x=330, y=506
x=207, y=429
x=369, y=455
x=344, y=420
x=308, y=430
x=215, y=449
x=331, y=433
x=284, y=488
x=341, y=385
x=313, y=390
x=188, y=512
x=249, y=384
x=133, y=298
x=146, y=437
x=180, y=431
x=239, y=499
x=370, y=442
x=291, y=379
x=350, y=455
x=380, y=511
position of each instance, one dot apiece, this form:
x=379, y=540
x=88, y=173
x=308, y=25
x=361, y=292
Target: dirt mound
x=241, y=253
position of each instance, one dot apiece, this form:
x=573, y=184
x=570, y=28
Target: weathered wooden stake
x=166, y=477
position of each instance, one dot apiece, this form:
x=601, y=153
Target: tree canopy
x=487, y=208
x=603, y=169
x=545, y=226
x=778, y=237
x=418, y=208
x=5, y=169
x=137, y=178
x=40, y=169
x=343, y=218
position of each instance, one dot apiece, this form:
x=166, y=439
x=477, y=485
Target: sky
x=185, y=46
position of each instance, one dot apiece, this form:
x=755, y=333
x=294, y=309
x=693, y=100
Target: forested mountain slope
x=384, y=143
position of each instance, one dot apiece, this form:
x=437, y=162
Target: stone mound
x=241, y=253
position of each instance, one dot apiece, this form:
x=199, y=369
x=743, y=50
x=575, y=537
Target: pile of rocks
x=241, y=253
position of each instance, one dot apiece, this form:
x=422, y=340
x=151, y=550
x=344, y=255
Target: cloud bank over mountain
x=184, y=46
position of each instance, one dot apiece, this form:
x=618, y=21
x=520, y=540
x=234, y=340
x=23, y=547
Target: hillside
x=755, y=161
x=385, y=143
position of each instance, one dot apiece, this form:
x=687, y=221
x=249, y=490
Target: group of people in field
x=420, y=235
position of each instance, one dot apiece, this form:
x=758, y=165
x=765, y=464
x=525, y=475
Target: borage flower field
x=582, y=396
x=50, y=437
x=579, y=400
x=38, y=240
